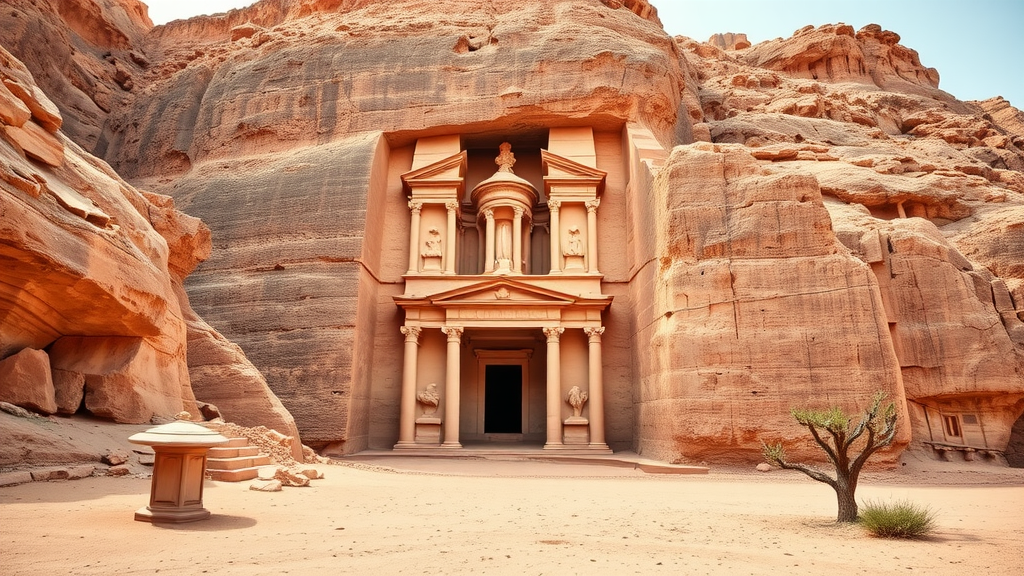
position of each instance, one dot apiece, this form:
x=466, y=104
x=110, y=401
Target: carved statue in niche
x=505, y=158
x=574, y=246
x=432, y=246
x=503, y=247
x=577, y=398
x=429, y=399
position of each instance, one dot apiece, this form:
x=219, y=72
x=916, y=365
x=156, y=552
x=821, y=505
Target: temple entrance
x=503, y=399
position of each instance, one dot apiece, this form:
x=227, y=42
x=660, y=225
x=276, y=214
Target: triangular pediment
x=446, y=170
x=562, y=167
x=501, y=290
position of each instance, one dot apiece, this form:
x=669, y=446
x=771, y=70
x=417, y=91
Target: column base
x=171, y=515
x=451, y=445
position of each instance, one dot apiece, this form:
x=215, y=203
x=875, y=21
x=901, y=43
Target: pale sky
x=976, y=45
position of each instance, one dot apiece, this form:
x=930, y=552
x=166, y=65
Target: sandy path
x=518, y=518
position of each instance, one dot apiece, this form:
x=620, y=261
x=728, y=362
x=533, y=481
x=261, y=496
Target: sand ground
x=514, y=517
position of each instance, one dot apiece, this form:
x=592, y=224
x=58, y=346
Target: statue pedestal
x=504, y=266
x=431, y=263
x=576, y=431
x=573, y=263
x=428, y=430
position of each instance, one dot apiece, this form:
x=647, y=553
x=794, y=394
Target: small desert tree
x=831, y=430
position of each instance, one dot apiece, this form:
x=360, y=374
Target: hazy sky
x=976, y=45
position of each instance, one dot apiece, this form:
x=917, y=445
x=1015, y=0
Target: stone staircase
x=235, y=461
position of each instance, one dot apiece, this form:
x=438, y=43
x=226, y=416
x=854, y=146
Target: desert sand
x=435, y=516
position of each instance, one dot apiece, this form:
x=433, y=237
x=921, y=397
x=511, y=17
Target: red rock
x=69, y=390
x=43, y=110
x=126, y=379
x=37, y=143
x=115, y=457
x=46, y=474
x=25, y=381
x=12, y=110
x=121, y=470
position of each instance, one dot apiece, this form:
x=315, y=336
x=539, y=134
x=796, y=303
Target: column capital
x=593, y=204
x=451, y=205
x=518, y=211
x=412, y=333
x=554, y=205
x=594, y=334
x=553, y=333
x=454, y=333
x=488, y=214
x=415, y=206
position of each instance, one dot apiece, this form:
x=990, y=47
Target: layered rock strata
x=841, y=225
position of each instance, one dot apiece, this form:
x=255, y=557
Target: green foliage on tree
x=832, y=431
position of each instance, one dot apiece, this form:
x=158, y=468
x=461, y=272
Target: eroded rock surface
x=831, y=224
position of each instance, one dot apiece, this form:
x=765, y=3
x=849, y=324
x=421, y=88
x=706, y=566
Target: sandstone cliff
x=829, y=223
x=271, y=130
x=923, y=188
x=95, y=316
x=83, y=53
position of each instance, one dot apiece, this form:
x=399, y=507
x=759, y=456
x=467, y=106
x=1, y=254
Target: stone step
x=221, y=452
x=237, y=462
x=235, y=443
x=234, y=475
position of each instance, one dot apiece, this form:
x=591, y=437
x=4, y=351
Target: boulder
x=25, y=381
x=69, y=390
x=126, y=379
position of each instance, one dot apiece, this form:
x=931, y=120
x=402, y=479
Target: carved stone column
x=407, y=420
x=556, y=241
x=596, y=385
x=452, y=382
x=528, y=250
x=517, y=240
x=414, y=237
x=449, y=249
x=554, y=396
x=592, y=235
x=489, y=242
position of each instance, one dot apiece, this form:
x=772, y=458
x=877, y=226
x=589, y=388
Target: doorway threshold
x=513, y=451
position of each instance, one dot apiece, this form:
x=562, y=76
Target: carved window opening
x=951, y=425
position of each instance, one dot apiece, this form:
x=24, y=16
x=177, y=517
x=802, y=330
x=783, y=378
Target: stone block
x=125, y=378
x=45, y=474
x=266, y=486
x=15, y=478
x=12, y=110
x=79, y=472
x=68, y=390
x=43, y=109
x=25, y=381
x=37, y=143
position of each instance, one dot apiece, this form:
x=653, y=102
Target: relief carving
x=430, y=399
x=432, y=245
x=577, y=398
x=574, y=246
x=505, y=158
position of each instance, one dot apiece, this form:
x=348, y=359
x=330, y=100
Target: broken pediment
x=561, y=171
x=447, y=172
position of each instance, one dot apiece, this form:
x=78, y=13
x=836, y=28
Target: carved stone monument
x=576, y=428
x=428, y=426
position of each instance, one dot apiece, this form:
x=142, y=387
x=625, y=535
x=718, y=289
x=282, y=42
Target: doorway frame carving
x=503, y=357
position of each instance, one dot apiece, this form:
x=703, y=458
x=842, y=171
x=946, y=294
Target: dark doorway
x=503, y=399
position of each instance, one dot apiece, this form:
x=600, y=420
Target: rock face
x=797, y=223
x=92, y=273
x=83, y=53
x=256, y=151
